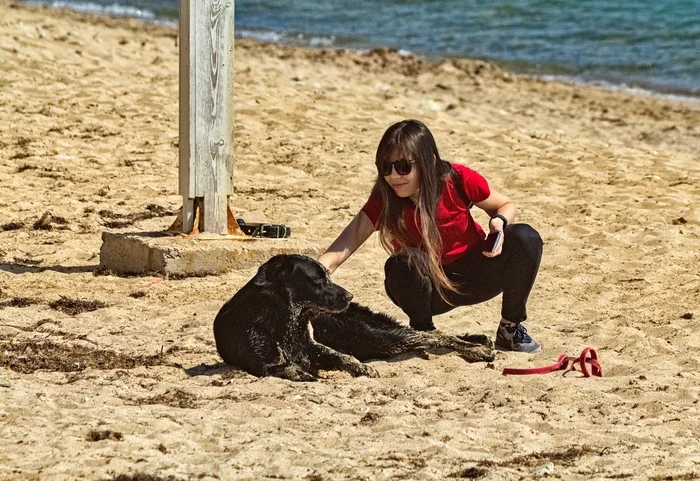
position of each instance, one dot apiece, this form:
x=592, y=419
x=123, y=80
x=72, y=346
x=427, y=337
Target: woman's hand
x=352, y=237
x=497, y=235
x=498, y=207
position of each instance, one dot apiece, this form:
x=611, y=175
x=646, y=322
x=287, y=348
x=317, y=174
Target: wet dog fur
x=261, y=331
x=290, y=320
x=366, y=334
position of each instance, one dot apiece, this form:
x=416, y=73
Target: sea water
x=647, y=44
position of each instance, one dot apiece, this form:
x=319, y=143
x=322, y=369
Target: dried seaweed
x=11, y=226
x=142, y=477
x=563, y=458
x=18, y=302
x=47, y=221
x=30, y=356
x=172, y=397
x=469, y=473
x=74, y=307
x=676, y=477
x=101, y=434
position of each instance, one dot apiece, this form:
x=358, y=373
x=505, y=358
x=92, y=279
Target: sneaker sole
x=510, y=349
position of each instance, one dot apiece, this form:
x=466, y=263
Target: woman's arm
x=497, y=204
x=352, y=237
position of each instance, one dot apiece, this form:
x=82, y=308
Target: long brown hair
x=411, y=139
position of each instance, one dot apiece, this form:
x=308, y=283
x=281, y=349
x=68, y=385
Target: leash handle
x=587, y=358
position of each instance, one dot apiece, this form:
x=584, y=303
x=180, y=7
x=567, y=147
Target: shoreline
x=636, y=88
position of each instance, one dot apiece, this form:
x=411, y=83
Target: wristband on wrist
x=503, y=218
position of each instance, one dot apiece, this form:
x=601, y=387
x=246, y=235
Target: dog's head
x=304, y=280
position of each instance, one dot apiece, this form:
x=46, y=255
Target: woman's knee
x=406, y=263
x=525, y=235
x=523, y=246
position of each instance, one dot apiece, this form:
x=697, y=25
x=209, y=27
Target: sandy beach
x=105, y=377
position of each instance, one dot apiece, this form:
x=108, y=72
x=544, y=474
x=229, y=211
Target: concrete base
x=166, y=253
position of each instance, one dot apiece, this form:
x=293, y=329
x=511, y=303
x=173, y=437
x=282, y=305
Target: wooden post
x=206, y=113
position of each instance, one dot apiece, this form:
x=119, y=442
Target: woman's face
x=407, y=185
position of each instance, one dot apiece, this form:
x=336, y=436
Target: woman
x=420, y=206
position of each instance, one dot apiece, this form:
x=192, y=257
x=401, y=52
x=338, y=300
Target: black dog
x=290, y=321
x=260, y=329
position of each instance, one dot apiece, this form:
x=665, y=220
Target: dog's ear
x=260, y=278
x=274, y=269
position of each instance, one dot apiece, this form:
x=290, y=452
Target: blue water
x=649, y=44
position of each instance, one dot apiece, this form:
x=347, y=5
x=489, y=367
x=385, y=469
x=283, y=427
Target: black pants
x=478, y=278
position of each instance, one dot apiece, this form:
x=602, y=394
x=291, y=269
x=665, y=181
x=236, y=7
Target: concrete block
x=176, y=254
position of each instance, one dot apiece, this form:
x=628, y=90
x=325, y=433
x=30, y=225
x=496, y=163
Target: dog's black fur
x=291, y=321
x=365, y=334
x=261, y=331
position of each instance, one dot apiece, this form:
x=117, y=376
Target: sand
x=104, y=376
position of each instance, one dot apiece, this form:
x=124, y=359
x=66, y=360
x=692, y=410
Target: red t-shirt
x=458, y=230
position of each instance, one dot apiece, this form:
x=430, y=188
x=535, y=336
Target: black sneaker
x=514, y=337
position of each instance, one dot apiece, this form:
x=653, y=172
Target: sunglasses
x=402, y=166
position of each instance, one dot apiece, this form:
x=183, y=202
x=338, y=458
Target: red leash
x=587, y=358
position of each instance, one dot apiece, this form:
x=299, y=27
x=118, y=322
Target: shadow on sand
x=18, y=268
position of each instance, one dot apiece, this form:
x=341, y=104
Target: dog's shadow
x=215, y=369
x=231, y=372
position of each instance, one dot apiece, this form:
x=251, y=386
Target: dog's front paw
x=291, y=372
x=482, y=339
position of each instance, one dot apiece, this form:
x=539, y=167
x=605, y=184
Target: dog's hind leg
x=481, y=351
x=323, y=357
x=365, y=334
x=482, y=339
